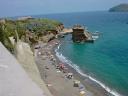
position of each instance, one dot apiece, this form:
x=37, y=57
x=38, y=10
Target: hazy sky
x=31, y=7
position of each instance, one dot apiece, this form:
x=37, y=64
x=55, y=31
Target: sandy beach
x=57, y=80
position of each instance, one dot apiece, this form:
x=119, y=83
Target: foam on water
x=74, y=66
x=95, y=37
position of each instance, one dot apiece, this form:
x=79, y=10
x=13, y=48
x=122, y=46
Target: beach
x=56, y=80
x=53, y=55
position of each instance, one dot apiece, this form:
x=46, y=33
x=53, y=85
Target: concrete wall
x=14, y=81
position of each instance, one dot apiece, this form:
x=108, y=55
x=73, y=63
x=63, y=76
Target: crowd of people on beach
x=58, y=65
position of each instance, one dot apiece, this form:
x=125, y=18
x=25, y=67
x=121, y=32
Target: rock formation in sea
x=80, y=34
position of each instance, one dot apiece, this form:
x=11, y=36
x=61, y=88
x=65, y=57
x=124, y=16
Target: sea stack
x=79, y=34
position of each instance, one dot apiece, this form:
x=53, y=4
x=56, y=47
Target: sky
x=10, y=8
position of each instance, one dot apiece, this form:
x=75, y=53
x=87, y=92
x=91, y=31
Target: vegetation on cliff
x=28, y=29
x=119, y=8
x=4, y=38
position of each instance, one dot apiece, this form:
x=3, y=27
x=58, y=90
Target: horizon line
x=2, y=17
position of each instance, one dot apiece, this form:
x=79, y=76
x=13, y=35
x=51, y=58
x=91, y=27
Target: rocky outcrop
x=48, y=37
x=80, y=34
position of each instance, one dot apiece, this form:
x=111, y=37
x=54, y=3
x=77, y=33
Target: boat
x=95, y=35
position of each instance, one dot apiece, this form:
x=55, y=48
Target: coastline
x=91, y=87
x=55, y=79
x=92, y=84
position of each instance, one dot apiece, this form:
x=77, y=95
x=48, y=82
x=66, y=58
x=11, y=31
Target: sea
x=106, y=60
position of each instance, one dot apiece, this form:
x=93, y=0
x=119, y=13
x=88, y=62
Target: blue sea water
x=107, y=58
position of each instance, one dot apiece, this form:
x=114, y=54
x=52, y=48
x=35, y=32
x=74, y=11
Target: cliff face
x=78, y=35
x=26, y=59
x=119, y=8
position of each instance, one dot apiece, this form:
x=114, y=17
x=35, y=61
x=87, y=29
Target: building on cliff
x=25, y=18
x=2, y=21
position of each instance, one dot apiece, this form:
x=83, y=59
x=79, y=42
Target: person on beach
x=70, y=75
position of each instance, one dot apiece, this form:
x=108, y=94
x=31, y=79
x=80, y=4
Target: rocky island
x=119, y=8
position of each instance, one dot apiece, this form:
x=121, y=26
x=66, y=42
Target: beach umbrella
x=76, y=83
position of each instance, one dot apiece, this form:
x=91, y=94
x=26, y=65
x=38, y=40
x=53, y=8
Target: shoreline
x=87, y=82
x=92, y=87
x=55, y=79
x=86, y=79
